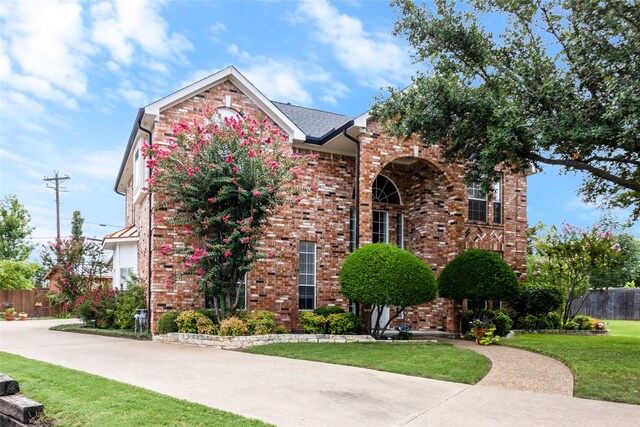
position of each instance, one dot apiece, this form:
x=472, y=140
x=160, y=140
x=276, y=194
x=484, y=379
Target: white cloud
x=122, y=26
x=103, y=164
x=287, y=79
x=135, y=98
x=215, y=31
x=45, y=43
x=376, y=58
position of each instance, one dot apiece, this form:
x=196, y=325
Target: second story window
x=497, y=201
x=477, y=203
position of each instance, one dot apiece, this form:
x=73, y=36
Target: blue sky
x=74, y=73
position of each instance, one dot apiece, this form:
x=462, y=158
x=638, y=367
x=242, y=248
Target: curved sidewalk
x=516, y=369
x=289, y=392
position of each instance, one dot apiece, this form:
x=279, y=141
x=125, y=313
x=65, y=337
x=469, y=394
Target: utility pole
x=57, y=179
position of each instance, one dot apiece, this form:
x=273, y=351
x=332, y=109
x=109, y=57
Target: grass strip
x=75, y=398
x=429, y=360
x=604, y=368
x=119, y=333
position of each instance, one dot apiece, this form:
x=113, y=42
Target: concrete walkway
x=291, y=392
x=516, y=369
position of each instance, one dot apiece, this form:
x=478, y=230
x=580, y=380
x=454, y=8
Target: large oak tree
x=552, y=83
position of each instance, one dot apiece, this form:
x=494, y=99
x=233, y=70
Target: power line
x=57, y=179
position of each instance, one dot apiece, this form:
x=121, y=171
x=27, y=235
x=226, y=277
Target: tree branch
x=600, y=173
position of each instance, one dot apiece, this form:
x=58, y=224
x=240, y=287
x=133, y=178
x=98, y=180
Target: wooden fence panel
x=613, y=304
x=34, y=302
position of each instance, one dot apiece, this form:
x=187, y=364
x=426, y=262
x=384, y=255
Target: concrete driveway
x=293, y=393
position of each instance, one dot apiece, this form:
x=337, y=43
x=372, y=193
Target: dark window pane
x=477, y=210
x=497, y=212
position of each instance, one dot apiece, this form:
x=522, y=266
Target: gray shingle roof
x=315, y=124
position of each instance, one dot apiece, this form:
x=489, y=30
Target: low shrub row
x=204, y=322
x=323, y=320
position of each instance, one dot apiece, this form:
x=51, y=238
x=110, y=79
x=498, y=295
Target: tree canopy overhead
x=559, y=85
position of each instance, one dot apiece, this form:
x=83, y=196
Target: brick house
x=372, y=188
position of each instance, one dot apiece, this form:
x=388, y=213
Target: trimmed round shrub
x=210, y=314
x=261, y=322
x=343, y=323
x=167, y=322
x=281, y=329
x=553, y=320
x=205, y=326
x=188, y=321
x=584, y=322
x=313, y=323
x=502, y=322
x=326, y=311
x=538, y=299
x=232, y=327
x=381, y=274
x=477, y=274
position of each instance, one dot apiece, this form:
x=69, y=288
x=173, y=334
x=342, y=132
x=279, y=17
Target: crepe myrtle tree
x=568, y=257
x=381, y=275
x=78, y=266
x=222, y=179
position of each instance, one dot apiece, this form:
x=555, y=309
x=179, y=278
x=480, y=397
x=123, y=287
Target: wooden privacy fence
x=34, y=302
x=613, y=304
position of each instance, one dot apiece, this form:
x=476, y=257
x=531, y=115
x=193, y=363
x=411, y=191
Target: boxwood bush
x=167, y=322
x=260, y=322
x=478, y=274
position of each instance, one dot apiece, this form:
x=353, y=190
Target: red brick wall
x=434, y=204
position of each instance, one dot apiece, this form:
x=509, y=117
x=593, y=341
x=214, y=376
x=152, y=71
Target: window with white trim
x=497, y=201
x=307, y=276
x=385, y=191
x=380, y=227
x=125, y=275
x=400, y=230
x=140, y=173
x=477, y=202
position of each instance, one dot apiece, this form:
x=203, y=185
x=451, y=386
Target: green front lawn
x=604, y=368
x=75, y=398
x=624, y=328
x=429, y=360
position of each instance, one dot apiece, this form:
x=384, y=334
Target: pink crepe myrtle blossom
x=235, y=169
x=229, y=159
x=166, y=249
x=270, y=255
x=227, y=254
x=257, y=193
x=251, y=153
x=245, y=240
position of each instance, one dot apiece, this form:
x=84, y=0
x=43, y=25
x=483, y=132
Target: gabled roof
x=317, y=125
x=302, y=124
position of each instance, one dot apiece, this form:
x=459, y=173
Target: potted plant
x=480, y=327
x=22, y=315
x=10, y=314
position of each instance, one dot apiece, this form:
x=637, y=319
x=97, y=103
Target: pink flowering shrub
x=224, y=179
x=75, y=266
x=97, y=304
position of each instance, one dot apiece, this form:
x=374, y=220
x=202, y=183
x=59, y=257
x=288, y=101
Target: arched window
x=385, y=191
x=224, y=113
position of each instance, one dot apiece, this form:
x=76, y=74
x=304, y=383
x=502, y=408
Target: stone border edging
x=246, y=341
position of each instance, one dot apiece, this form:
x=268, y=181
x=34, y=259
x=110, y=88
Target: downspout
x=357, y=191
x=148, y=132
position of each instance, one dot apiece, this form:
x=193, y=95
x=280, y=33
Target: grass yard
x=74, y=398
x=624, y=328
x=428, y=360
x=604, y=368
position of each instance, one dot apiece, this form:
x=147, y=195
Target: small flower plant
x=480, y=324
